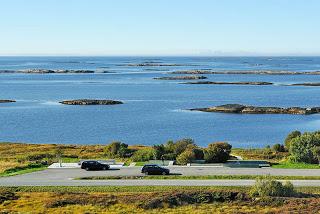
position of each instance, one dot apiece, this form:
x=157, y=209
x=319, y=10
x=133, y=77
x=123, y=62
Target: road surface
x=65, y=177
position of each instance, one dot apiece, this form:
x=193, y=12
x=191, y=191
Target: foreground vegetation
x=267, y=196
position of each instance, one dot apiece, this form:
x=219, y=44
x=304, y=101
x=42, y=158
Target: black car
x=94, y=165
x=153, y=169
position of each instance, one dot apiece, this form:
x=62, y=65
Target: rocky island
x=256, y=72
x=7, y=101
x=47, y=71
x=230, y=83
x=305, y=84
x=151, y=64
x=90, y=102
x=244, y=109
x=181, y=78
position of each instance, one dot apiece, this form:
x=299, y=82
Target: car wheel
x=87, y=169
x=104, y=168
x=164, y=173
x=146, y=173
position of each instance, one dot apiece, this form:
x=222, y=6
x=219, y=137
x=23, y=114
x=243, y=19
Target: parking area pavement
x=65, y=177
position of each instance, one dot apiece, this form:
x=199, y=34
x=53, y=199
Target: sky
x=160, y=27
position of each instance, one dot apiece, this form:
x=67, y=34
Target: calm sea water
x=154, y=110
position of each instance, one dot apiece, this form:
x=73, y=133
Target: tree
x=186, y=157
x=217, y=152
x=302, y=148
x=278, y=148
x=181, y=145
x=117, y=149
x=159, y=151
x=316, y=153
x=59, y=154
x=292, y=135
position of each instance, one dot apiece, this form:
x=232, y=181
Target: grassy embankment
x=152, y=200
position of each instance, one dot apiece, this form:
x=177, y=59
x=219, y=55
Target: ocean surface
x=154, y=111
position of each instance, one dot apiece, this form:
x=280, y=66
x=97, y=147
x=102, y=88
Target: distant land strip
x=245, y=109
x=261, y=72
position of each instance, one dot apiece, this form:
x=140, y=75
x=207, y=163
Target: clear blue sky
x=159, y=27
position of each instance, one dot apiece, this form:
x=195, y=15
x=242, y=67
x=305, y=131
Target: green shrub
x=181, y=145
x=169, y=156
x=186, y=157
x=142, y=155
x=217, y=152
x=278, y=148
x=117, y=150
x=302, y=148
x=269, y=187
x=7, y=195
x=292, y=135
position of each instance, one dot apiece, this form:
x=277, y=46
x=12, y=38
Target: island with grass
x=91, y=102
x=181, y=78
x=228, y=83
x=246, y=109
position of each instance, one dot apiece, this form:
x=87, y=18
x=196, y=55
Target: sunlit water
x=154, y=111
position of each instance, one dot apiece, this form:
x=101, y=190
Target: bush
x=278, y=148
x=142, y=155
x=302, y=148
x=186, y=157
x=169, y=156
x=292, y=135
x=117, y=149
x=270, y=187
x=7, y=195
x=159, y=151
x=217, y=152
x=181, y=145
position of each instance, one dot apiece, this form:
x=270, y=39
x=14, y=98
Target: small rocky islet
x=50, y=71
x=181, y=78
x=91, y=102
x=245, y=109
x=7, y=101
x=229, y=83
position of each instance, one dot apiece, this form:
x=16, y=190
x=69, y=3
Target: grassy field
x=152, y=200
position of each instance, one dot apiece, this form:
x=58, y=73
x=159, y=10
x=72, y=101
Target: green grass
x=203, y=177
x=22, y=170
x=288, y=165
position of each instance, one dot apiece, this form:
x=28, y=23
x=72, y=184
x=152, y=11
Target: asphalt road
x=65, y=177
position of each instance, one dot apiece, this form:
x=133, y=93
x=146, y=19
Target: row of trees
x=183, y=151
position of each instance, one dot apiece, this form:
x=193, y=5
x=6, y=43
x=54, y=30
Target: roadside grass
x=199, y=177
x=22, y=170
x=288, y=165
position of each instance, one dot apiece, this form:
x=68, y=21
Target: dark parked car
x=94, y=165
x=153, y=169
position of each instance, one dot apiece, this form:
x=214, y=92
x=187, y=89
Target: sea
x=154, y=111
